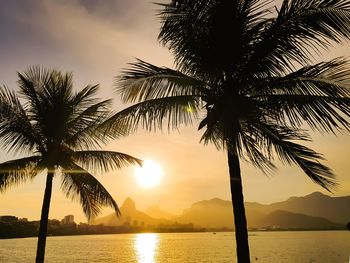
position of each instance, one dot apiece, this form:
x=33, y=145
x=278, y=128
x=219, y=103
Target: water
x=268, y=247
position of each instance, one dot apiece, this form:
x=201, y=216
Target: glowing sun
x=149, y=175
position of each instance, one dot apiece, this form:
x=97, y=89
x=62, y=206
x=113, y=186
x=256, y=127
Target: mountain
x=287, y=220
x=314, y=211
x=156, y=212
x=214, y=213
x=129, y=215
x=317, y=211
x=336, y=209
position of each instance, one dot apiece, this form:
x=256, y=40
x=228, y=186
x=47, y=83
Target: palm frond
x=80, y=185
x=86, y=97
x=31, y=82
x=16, y=131
x=283, y=140
x=238, y=138
x=250, y=148
x=213, y=134
x=144, y=81
x=325, y=78
x=104, y=161
x=18, y=171
x=301, y=27
x=321, y=113
x=317, y=95
x=153, y=114
x=84, y=130
x=197, y=33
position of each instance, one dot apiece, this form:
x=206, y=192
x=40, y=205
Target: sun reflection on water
x=146, y=246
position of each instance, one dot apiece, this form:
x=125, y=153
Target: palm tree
x=245, y=68
x=59, y=129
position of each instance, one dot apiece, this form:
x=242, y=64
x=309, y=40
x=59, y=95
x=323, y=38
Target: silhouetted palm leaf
x=152, y=114
x=18, y=171
x=80, y=185
x=148, y=82
x=16, y=131
x=104, y=161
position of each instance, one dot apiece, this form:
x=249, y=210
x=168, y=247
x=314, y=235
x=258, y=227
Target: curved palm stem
x=236, y=188
x=40, y=253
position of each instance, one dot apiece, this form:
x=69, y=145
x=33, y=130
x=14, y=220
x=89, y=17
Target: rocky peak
x=129, y=205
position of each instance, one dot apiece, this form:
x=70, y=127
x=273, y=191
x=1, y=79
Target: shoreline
x=179, y=232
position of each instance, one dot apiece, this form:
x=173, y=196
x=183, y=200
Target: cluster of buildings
x=12, y=219
x=67, y=220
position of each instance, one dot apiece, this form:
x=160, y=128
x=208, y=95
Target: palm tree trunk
x=238, y=209
x=40, y=253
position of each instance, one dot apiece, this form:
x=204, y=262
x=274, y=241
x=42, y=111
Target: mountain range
x=313, y=211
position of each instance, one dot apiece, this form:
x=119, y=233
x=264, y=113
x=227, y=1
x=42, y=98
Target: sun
x=149, y=175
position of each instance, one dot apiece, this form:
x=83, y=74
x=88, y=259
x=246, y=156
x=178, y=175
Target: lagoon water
x=267, y=247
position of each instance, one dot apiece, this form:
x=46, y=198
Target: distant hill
x=156, y=212
x=287, y=220
x=214, y=213
x=314, y=211
x=130, y=215
x=336, y=209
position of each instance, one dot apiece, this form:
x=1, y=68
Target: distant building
x=68, y=220
x=54, y=222
x=127, y=221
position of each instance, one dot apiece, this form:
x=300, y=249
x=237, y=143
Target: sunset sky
x=95, y=40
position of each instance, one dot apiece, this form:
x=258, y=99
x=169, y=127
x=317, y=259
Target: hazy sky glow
x=95, y=40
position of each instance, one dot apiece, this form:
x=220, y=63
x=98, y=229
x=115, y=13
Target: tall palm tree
x=58, y=130
x=245, y=68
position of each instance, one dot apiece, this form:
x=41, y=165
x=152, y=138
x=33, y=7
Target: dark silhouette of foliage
x=245, y=67
x=59, y=128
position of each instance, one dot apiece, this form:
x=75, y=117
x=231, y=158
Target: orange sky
x=95, y=41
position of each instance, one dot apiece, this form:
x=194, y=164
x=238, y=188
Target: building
x=68, y=220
